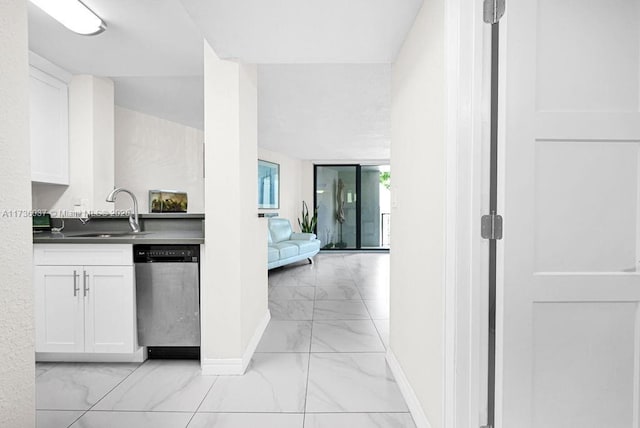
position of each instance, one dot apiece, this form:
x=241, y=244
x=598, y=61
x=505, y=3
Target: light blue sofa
x=285, y=246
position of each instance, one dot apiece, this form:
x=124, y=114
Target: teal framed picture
x=268, y=185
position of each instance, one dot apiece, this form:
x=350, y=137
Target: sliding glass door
x=353, y=206
x=337, y=200
x=375, y=206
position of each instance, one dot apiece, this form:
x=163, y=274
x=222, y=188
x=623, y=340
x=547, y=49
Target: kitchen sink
x=105, y=234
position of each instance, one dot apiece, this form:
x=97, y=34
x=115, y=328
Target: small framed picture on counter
x=167, y=201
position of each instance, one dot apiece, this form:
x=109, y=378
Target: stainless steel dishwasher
x=167, y=296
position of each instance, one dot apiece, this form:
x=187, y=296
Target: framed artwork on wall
x=268, y=185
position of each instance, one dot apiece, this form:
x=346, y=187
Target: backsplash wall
x=154, y=153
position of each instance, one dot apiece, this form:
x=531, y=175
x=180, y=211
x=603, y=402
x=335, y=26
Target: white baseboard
x=255, y=341
x=137, y=357
x=221, y=366
x=236, y=366
x=407, y=391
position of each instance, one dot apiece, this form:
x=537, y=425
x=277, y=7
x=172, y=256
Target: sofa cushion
x=303, y=236
x=280, y=229
x=274, y=254
x=306, y=246
x=287, y=249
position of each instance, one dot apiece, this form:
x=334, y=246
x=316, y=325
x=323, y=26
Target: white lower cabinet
x=80, y=307
x=59, y=309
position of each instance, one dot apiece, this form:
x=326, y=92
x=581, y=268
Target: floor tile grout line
x=244, y=412
x=53, y=365
x=384, y=345
x=119, y=383
x=306, y=389
x=77, y=419
x=372, y=320
x=127, y=411
x=395, y=412
x=202, y=401
x=232, y=412
x=107, y=393
x=317, y=352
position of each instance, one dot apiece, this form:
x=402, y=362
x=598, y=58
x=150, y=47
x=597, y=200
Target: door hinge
x=491, y=226
x=493, y=11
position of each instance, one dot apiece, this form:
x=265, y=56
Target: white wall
x=234, y=282
x=17, y=367
x=418, y=206
x=91, y=149
x=103, y=142
x=154, y=153
x=290, y=185
x=306, y=182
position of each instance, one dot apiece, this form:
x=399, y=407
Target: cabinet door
x=109, y=309
x=48, y=126
x=59, y=309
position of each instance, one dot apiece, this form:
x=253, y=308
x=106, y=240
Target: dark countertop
x=153, y=237
x=164, y=229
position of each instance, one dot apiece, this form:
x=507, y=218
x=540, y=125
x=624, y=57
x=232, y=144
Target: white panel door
x=569, y=354
x=59, y=309
x=110, y=309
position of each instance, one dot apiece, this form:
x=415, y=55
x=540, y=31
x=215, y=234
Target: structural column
x=234, y=273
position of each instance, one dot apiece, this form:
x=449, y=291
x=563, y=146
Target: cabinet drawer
x=83, y=254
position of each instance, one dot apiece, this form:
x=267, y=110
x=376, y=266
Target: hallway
x=321, y=363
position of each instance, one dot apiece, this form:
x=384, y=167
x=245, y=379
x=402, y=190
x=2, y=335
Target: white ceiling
x=325, y=112
x=153, y=51
x=309, y=31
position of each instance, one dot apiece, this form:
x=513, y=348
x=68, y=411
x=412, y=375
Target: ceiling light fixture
x=74, y=15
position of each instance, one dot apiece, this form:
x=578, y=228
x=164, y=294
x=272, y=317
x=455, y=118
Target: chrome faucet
x=133, y=219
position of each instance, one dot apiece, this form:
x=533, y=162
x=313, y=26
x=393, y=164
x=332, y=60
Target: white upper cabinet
x=49, y=122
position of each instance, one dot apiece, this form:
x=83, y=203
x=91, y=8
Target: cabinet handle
x=84, y=282
x=75, y=284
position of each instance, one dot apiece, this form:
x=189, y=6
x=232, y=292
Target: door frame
x=468, y=75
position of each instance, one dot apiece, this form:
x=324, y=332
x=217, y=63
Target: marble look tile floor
x=321, y=363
